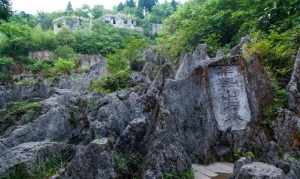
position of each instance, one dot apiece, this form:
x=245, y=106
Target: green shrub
x=239, y=154
x=40, y=66
x=128, y=56
x=127, y=165
x=63, y=66
x=188, y=174
x=111, y=83
x=65, y=52
x=65, y=37
x=5, y=63
x=43, y=40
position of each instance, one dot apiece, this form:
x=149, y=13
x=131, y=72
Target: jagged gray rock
x=58, y=122
x=39, y=89
x=28, y=157
x=211, y=103
x=258, y=170
x=294, y=87
x=93, y=161
x=287, y=130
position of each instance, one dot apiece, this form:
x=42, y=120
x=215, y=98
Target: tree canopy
x=5, y=9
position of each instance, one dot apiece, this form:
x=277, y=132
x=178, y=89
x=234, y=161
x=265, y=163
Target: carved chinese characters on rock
x=229, y=97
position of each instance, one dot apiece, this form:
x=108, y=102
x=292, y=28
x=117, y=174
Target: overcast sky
x=33, y=6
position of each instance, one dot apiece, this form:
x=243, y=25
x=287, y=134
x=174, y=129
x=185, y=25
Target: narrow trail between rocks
x=213, y=171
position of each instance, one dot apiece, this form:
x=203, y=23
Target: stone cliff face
x=203, y=112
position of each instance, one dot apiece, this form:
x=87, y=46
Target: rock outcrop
x=294, y=87
x=257, y=170
x=205, y=112
x=28, y=158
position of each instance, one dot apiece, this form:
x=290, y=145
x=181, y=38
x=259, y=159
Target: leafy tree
x=65, y=38
x=147, y=5
x=18, y=39
x=5, y=10
x=130, y=3
x=24, y=18
x=97, y=11
x=84, y=11
x=120, y=6
x=44, y=20
x=69, y=9
x=43, y=40
x=174, y=4
x=160, y=12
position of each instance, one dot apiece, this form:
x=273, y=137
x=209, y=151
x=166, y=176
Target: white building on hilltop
x=122, y=21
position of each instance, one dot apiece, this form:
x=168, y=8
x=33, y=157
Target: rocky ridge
x=204, y=111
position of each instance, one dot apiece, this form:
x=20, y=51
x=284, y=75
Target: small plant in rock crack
x=188, y=174
x=127, y=165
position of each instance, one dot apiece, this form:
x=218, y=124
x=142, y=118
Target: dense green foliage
x=63, y=66
x=111, y=82
x=120, y=65
x=147, y=5
x=183, y=175
x=274, y=26
x=222, y=23
x=5, y=64
x=5, y=10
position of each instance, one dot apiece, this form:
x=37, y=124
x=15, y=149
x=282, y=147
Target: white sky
x=34, y=6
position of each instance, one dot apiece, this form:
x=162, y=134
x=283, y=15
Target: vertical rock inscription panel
x=229, y=97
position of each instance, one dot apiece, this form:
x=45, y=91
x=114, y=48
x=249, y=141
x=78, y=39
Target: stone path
x=213, y=171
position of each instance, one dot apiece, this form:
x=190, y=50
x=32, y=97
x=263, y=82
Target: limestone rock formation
x=26, y=158
x=258, y=170
x=210, y=109
x=294, y=87
x=92, y=161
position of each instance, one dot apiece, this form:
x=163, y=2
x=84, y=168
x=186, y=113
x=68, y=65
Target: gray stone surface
x=91, y=162
x=294, y=87
x=30, y=155
x=258, y=170
x=229, y=97
x=287, y=130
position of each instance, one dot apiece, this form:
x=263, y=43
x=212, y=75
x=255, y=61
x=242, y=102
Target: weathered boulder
x=41, y=55
x=153, y=62
x=294, y=172
x=81, y=82
x=61, y=119
x=93, y=161
x=24, y=90
x=26, y=159
x=287, y=130
x=132, y=136
x=110, y=115
x=258, y=170
x=294, y=87
x=212, y=102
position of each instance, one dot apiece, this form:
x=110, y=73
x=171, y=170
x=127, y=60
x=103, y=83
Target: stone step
x=213, y=171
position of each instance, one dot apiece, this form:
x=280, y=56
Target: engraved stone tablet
x=229, y=97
